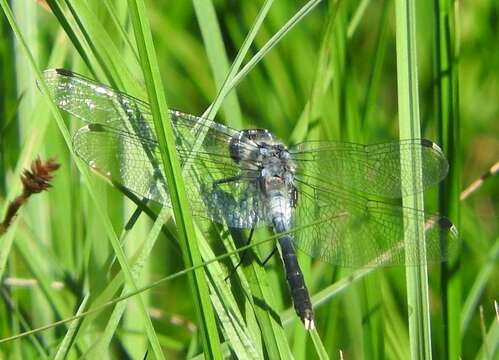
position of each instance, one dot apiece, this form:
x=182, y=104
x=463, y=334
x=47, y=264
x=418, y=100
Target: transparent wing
x=239, y=204
x=343, y=228
x=370, y=169
x=119, y=143
x=96, y=103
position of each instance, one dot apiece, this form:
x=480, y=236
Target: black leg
x=241, y=259
x=269, y=256
x=226, y=180
x=135, y=216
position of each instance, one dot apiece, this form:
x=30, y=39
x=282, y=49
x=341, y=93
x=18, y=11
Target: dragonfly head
x=246, y=144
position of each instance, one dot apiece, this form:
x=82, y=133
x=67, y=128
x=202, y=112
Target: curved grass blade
x=105, y=339
x=290, y=24
x=79, y=45
x=117, y=283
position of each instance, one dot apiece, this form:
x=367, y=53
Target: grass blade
x=164, y=133
x=96, y=202
x=447, y=114
x=75, y=40
x=321, y=352
x=19, y=318
x=217, y=56
x=104, y=341
x=409, y=123
x=62, y=351
x=290, y=24
x=224, y=90
x=472, y=301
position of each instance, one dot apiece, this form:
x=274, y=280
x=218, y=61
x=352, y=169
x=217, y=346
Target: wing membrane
x=349, y=230
x=119, y=142
x=370, y=169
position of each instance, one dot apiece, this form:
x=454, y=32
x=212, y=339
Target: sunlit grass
x=312, y=70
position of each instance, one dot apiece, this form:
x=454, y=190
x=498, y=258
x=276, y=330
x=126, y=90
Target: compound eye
x=258, y=134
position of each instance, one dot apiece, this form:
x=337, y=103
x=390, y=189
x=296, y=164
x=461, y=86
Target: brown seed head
x=38, y=178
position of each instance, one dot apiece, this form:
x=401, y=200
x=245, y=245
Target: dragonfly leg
x=241, y=259
x=226, y=180
x=269, y=256
x=135, y=216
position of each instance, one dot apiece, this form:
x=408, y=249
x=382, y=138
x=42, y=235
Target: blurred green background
x=333, y=76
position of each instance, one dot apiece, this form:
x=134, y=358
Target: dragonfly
x=334, y=201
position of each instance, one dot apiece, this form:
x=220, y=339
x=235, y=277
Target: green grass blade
x=396, y=334
x=217, y=56
x=80, y=45
x=35, y=265
x=23, y=162
x=224, y=90
x=357, y=17
x=447, y=114
x=490, y=342
x=62, y=351
x=321, y=351
x=109, y=57
x=117, y=283
x=100, y=349
x=472, y=301
x=409, y=123
x=290, y=24
x=112, y=11
x=236, y=332
x=30, y=147
x=373, y=85
x=18, y=316
x=164, y=133
x=96, y=202
x=273, y=334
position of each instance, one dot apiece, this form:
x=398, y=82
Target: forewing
x=96, y=103
x=370, y=169
x=119, y=142
x=345, y=229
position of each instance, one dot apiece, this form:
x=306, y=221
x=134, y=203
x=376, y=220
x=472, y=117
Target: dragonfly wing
x=93, y=102
x=97, y=103
x=370, y=169
x=345, y=229
x=119, y=142
x=135, y=164
x=238, y=204
x=226, y=189
x=130, y=161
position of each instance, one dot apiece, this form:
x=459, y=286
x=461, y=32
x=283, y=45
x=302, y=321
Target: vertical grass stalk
x=409, y=122
x=164, y=133
x=447, y=114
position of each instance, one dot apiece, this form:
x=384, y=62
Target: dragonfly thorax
x=257, y=152
x=268, y=162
